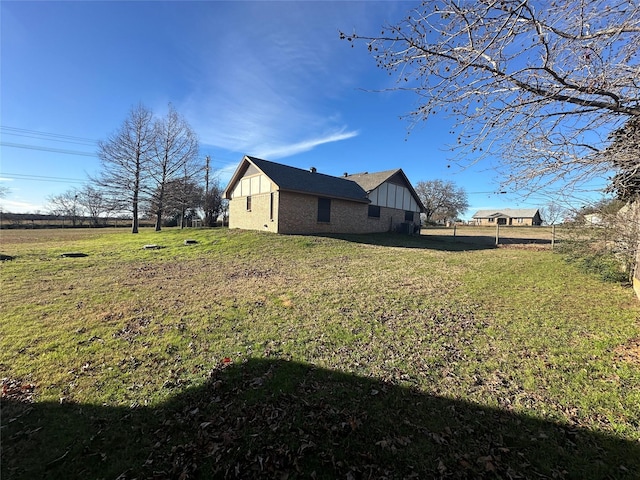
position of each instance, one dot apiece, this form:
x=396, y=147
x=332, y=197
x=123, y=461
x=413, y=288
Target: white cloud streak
x=266, y=88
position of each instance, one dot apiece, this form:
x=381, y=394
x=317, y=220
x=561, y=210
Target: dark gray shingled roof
x=304, y=181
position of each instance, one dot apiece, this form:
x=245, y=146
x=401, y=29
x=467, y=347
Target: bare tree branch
x=538, y=86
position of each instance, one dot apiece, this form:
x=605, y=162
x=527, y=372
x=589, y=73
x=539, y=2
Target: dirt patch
x=133, y=328
x=630, y=351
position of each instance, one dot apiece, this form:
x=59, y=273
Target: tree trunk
x=134, y=220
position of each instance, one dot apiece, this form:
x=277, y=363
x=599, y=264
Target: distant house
x=594, y=219
x=269, y=196
x=508, y=216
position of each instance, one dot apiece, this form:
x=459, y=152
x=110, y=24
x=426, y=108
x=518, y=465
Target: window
x=271, y=207
x=324, y=210
x=519, y=220
x=248, y=203
x=374, y=211
x=408, y=216
x=491, y=220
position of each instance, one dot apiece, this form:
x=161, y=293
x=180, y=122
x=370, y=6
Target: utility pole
x=207, y=202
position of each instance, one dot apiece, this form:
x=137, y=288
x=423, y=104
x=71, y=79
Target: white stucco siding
x=373, y=196
x=253, y=185
x=399, y=197
x=265, y=184
x=394, y=196
x=391, y=195
x=414, y=205
x=406, y=199
x=382, y=195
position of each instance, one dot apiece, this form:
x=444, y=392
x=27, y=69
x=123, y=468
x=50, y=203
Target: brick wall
x=259, y=218
x=298, y=213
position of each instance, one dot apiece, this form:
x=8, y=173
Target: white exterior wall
x=393, y=196
x=252, y=186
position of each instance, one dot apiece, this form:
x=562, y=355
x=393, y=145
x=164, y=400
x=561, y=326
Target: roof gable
x=301, y=181
x=371, y=181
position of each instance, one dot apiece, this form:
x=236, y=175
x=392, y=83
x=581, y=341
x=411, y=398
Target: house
x=594, y=219
x=508, y=216
x=269, y=196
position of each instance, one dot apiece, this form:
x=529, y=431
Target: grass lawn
x=253, y=355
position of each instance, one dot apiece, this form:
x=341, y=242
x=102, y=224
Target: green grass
x=370, y=356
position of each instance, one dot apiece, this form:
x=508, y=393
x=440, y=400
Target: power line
x=72, y=139
x=48, y=135
x=41, y=178
x=48, y=149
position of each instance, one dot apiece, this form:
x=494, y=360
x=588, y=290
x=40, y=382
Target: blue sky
x=265, y=78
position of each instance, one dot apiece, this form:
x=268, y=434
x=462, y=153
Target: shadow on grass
x=281, y=419
x=431, y=242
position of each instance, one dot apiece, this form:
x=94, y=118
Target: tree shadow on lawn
x=282, y=419
x=427, y=242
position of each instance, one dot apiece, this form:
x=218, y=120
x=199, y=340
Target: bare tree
x=442, y=200
x=93, y=202
x=175, y=147
x=538, y=85
x=4, y=191
x=125, y=158
x=183, y=197
x=212, y=201
x=553, y=213
x=65, y=205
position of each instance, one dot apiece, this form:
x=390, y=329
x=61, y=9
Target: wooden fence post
x=553, y=236
x=497, y=234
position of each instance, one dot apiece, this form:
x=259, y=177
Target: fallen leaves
x=630, y=351
x=18, y=390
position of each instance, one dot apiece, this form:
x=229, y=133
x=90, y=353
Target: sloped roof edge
x=507, y=212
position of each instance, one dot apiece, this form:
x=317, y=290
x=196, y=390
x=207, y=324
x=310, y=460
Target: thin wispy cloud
x=281, y=151
x=267, y=90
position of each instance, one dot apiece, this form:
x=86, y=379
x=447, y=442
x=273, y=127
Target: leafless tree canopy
x=442, y=200
x=538, y=85
x=125, y=158
x=175, y=151
x=66, y=205
x=141, y=158
x=553, y=213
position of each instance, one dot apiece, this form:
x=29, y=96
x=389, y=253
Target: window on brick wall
x=408, y=216
x=324, y=209
x=374, y=211
x=248, y=203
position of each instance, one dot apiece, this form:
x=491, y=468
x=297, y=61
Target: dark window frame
x=407, y=214
x=248, y=203
x=324, y=210
x=271, y=201
x=374, y=211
